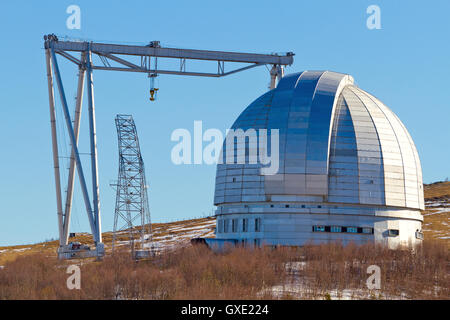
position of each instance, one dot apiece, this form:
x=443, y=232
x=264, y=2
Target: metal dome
x=345, y=159
x=338, y=144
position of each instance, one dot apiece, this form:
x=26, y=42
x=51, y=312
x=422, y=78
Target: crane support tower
x=90, y=56
x=132, y=213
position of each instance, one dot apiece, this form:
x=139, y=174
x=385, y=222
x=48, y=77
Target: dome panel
x=343, y=178
x=369, y=153
x=409, y=157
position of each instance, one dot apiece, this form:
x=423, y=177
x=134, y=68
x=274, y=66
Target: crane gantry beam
x=116, y=57
x=154, y=50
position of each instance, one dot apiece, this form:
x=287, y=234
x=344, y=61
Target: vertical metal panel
x=254, y=116
x=319, y=127
x=297, y=129
x=406, y=153
x=343, y=164
x=370, y=160
x=418, y=178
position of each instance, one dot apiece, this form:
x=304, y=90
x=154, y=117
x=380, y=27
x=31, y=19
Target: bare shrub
x=313, y=271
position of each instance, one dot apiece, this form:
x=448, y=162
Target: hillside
x=437, y=213
x=169, y=235
x=165, y=236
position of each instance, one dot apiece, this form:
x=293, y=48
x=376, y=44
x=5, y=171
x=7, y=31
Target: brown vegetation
x=437, y=213
x=437, y=190
x=160, y=231
x=311, y=272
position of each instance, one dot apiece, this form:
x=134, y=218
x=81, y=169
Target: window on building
x=352, y=229
x=318, y=228
x=393, y=232
x=366, y=230
x=244, y=225
x=336, y=229
x=419, y=234
x=225, y=225
x=234, y=225
x=220, y=226
x=257, y=224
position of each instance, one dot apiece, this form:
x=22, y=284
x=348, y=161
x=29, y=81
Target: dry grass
x=48, y=248
x=419, y=274
x=436, y=224
x=437, y=190
x=197, y=273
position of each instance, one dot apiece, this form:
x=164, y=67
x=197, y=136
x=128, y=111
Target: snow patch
x=21, y=250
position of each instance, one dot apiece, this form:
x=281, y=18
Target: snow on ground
x=437, y=218
x=431, y=203
x=299, y=288
x=20, y=250
x=439, y=210
x=300, y=291
x=172, y=237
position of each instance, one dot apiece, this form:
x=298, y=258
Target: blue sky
x=405, y=64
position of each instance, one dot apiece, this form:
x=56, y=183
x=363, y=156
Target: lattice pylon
x=132, y=213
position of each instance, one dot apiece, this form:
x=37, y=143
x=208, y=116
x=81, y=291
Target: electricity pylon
x=132, y=213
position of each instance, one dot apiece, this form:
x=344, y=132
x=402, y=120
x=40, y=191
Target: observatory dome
x=347, y=169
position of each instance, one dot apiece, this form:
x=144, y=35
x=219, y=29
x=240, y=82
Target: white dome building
x=348, y=170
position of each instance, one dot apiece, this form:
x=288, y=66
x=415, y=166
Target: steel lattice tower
x=132, y=211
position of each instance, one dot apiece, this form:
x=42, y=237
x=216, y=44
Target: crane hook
x=153, y=90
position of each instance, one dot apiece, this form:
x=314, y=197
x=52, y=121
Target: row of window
x=303, y=206
x=337, y=229
x=365, y=230
x=232, y=225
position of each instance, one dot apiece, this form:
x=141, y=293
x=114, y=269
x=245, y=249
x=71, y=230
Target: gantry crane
x=118, y=57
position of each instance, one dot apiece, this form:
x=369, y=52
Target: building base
x=76, y=250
